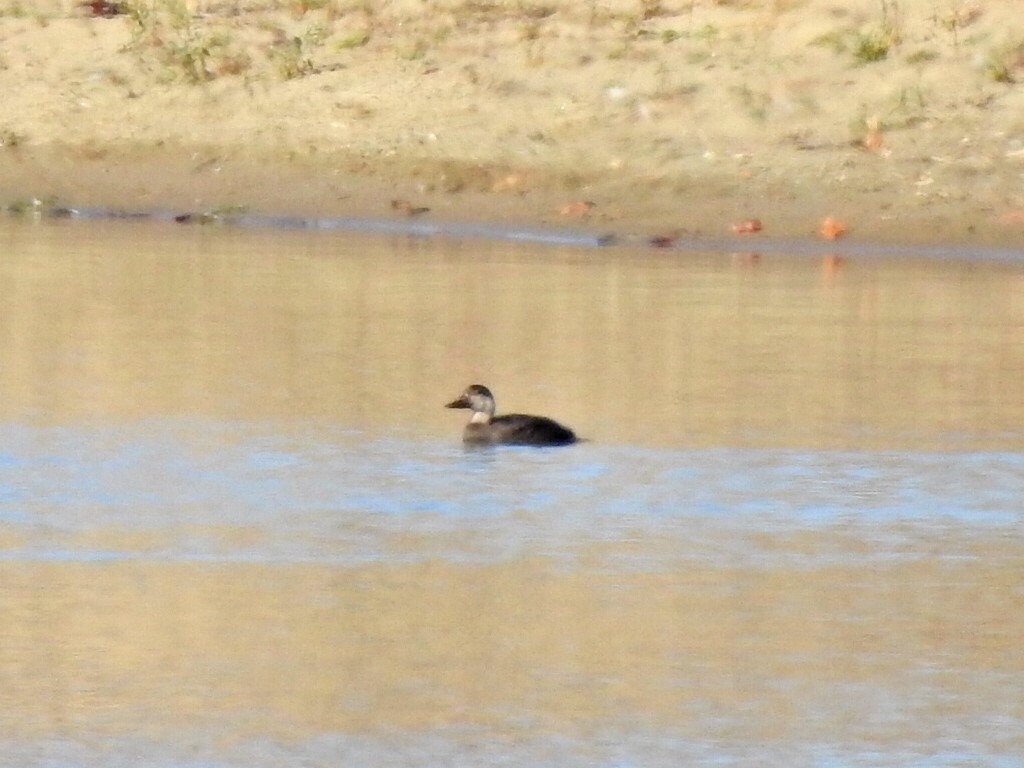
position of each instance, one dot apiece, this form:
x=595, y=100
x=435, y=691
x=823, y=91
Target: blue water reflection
x=466, y=749
x=340, y=496
x=213, y=492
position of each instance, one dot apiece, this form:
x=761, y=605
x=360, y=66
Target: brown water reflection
x=126, y=628
x=126, y=321
x=524, y=646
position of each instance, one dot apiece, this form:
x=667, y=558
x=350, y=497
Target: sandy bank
x=903, y=120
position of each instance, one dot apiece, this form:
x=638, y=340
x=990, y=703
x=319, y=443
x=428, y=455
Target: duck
x=484, y=428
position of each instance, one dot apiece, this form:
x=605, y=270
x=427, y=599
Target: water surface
x=237, y=527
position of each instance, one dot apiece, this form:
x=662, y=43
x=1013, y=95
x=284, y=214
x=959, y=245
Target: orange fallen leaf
x=747, y=226
x=578, y=208
x=831, y=229
x=1015, y=216
x=511, y=181
x=873, y=140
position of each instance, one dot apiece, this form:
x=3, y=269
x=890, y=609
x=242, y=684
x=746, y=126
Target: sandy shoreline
x=637, y=118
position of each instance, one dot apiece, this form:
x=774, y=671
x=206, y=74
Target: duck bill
x=462, y=402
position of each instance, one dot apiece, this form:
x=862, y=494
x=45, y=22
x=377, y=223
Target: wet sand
x=903, y=121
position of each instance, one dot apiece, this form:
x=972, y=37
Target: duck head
x=479, y=400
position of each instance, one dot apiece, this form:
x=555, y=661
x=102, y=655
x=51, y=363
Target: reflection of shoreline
x=291, y=651
x=832, y=252
x=636, y=346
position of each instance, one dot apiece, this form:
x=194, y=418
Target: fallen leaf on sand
x=831, y=229
x=511, y=181
x=104, y=8
x=578, y=208
x=747, y=226
x=1016, y=216
x=872, y=140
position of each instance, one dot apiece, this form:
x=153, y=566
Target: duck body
x=484, y=428
x=518, y=429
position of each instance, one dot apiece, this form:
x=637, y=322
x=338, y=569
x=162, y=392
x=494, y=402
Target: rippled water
x=230, y=492
x=238, y=528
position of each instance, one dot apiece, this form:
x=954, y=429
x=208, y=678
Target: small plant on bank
x=141, y=17
x=876, y=44
x=293, y=57
x=1003, y=63
x=866, y=47
x=835, y=41
x=15, y=11
x=530, y=34
x=871, y=47
x=9, y=138
x=996, y=69
x=922, y=57
x=958, y=19
x=183, y=43
x=356, y=40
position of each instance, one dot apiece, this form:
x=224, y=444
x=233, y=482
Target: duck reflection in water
x=484, y=428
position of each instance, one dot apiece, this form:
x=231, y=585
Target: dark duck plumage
x=484, y=428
